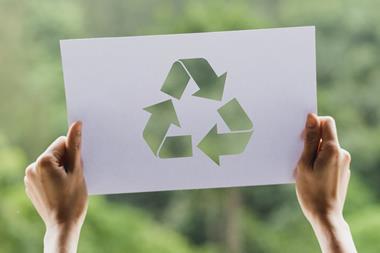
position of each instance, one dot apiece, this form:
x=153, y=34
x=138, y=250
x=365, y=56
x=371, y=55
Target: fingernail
x=79, y=127
x=311, y=122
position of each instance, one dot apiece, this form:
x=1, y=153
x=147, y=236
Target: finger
x=329, y=133
x=53, y=156
x=30, y=170
x=57, y=149
x=345, y=157
x=73, y=144
x=312, y=137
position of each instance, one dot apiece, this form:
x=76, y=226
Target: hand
x=322, y=177
x=55, y=184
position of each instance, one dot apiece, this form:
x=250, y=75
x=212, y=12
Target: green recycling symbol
x=211, y=86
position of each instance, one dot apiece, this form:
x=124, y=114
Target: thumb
x=73, y=146
x=312, y=139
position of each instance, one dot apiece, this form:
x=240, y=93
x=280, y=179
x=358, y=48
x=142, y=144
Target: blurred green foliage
x=254, y=219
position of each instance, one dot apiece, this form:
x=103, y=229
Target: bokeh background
x=251, y=219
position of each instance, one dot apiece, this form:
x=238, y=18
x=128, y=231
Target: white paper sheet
x=108, y=82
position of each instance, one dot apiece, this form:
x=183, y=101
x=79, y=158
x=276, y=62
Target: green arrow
x=176, y=81
x=215, y=145
x=234, y=116
x=176, y=146
x=210, y=85
x=163, y=115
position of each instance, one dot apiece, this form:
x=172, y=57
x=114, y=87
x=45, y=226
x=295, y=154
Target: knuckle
x=55, y=153
x=61, y=138
x=330, y=120
x=346, y=155
x=46, y=160
x=332, y=147
x=29, y=171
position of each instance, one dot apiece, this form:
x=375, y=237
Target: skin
x=322, y=177
x=55, y=184
x=57, y=189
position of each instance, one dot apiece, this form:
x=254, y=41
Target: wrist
x=62, y=238
x=328, y=220
x=333, y=233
